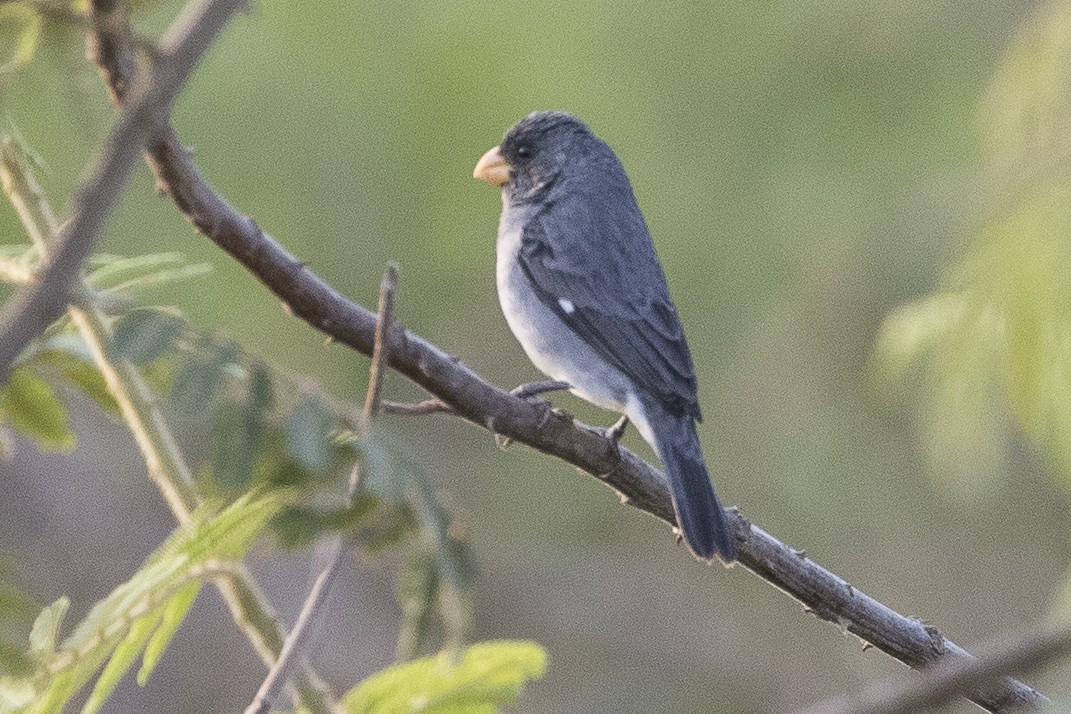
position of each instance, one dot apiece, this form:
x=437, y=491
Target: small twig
x=297, y=643
x=428, y=406
x=947, y=680
x=374, y=397
x=39, y=305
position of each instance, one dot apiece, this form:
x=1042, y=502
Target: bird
x=583, y=291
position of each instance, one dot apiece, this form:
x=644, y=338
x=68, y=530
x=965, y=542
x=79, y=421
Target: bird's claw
x=614, y=434
x=528, y=392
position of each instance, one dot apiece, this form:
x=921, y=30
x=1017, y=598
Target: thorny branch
x=469, y=396
x=944, y=682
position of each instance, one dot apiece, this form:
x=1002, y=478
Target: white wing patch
x=567, y=305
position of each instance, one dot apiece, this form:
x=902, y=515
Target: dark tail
x=699, y=512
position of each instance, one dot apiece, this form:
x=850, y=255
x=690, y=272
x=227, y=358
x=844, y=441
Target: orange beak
x=492, y=168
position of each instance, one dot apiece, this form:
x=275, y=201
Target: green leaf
x=385, y=470
x=298, y=526
x=174, y=613
x=46, y=628
x=236, y=442
x=913, y=330
x=261, y=391
x=144, y=334
x=29, y=404
x=240, y=431
x=995, y=339
x=71, y=357
x=158, y=594
x=194, y=390
x=20, y=29
x=307, y=438
x=453, y=561
x=417, y=588
x=122, y=657
x=486, y=676
x=90, y=382
x=118, y=274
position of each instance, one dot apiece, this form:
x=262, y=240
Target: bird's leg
x=616, y=431
x=614, y=434
x=527, y=391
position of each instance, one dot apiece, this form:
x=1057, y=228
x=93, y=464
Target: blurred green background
x=805, y=168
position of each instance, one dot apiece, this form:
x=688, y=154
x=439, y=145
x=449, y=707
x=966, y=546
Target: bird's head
x=535, y=152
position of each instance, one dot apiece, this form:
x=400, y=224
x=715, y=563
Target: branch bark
x=465, y=393
x=36, y=307
x=948, y=680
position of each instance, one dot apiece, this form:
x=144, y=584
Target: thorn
x=799, y=553
x=866, y=646
x=287, y=309
x=624, y=499
x=502, y=442
x=937, y=640
x=328, y=341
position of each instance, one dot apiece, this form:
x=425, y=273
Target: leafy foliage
x=16, y=610
x=996, y=340
x=484, y=677
x=145, y=334
x=266, y=430
x=263, y=428
x=29, y=402
x=139, y=616
x=30, y=405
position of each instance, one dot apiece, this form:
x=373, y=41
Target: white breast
x=551, y=345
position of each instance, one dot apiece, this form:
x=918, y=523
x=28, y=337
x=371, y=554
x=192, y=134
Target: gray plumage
x=583, y=290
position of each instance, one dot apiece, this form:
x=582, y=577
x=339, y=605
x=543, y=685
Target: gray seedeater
x=583, y=291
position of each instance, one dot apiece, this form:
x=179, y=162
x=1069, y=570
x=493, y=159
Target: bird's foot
x=528, y=391
x=615, y=432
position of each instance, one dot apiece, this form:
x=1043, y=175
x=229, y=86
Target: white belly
x=551, y=345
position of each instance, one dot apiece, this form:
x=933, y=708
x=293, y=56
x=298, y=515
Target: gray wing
x=602, y=263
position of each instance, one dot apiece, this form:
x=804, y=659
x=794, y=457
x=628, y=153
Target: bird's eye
x=524, y=151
